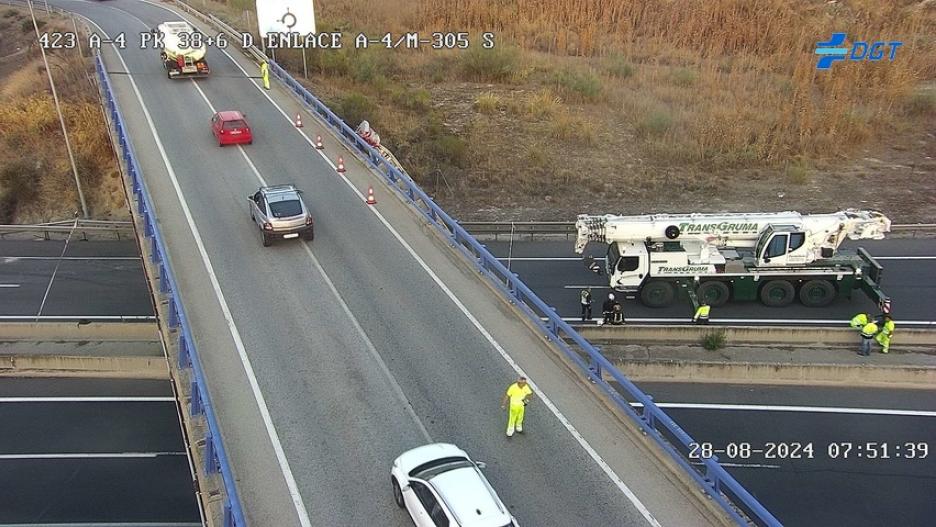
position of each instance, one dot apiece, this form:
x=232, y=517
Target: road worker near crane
x=518, y=395
x=868, y=331
x=702, y=314
x=859, y=321
x=265, y=74
x=886, y=331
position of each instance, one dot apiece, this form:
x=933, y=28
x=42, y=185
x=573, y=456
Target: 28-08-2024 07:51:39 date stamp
x=868, y=450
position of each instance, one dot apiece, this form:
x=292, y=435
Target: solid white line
x=77, y=317
x=758, y=321
x=8, y=286
x=565, y=422
x=586, y=286
x=142, y=399
x=105, y=524
x=904, y=257
x=542, y=259
x=11, y=259
x=739, y=465
x=357, y=326
x=102, y=455
x=798, y=409
x=298, y=504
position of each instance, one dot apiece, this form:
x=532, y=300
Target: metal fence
x=81, y=229
x=215, y=455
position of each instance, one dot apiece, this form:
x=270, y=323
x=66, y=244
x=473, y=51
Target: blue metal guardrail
x=215, y=456
x=714, y=480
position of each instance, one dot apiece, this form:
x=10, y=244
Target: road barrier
x=215, y=455
x=82, y=229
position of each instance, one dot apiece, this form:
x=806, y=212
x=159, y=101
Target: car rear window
x=285, y=209
x=234, y=125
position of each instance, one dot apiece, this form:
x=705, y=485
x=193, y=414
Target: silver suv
x=279, y=212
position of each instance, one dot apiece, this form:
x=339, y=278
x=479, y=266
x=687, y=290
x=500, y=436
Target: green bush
x=27, y=25
x=583, y=85
x=714, y=340
x=654, y=124
x=487, y=102
x=685, y=77
x=618, y=67
x=356, y=107
x=798, y=172
x=19, y=182
x=416, y=99
x=449, y=149
x=922, y=103
x=9, y=13
x=489, y=65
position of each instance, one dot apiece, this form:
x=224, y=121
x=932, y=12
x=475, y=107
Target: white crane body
x=183, y=50
x=735, y=250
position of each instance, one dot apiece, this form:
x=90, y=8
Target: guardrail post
x=196, y=407
x=163, y=278
x=553, y=323
x=173, y=313
x=211, y=461
x=228, y=520
x=647, y=414
x=147, y=226
x=185, y=360
x=594, y=367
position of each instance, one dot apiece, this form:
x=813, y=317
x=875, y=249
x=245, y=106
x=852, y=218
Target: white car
x=441, y=486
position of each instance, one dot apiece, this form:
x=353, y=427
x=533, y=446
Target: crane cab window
x=777, y=246
x=628, y=263
x=796, y=240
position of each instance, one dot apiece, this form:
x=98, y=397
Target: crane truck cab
x=774, y=257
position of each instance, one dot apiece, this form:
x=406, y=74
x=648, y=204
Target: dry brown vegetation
x=36, y=181
x=644, y=105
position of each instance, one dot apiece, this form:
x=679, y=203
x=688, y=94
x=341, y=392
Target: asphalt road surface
x=327, y=360
x=69, y=457
x=90, y=279
x=872, y=460
x=557, y=275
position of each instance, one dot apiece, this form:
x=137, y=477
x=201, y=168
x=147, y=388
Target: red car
x=230, y=128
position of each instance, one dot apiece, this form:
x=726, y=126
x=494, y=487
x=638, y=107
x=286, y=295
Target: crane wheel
x=777, y=293
x=817, y=293
x=713, y=293
x=672, y=232
x=657, y=294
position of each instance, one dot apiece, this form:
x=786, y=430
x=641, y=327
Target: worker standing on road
x=886, y=332
x=702, y=314
x=867, y=333
x=518, y=395
x=265, y=74
x=859, y=321
x=586, y=298
x=607, y=309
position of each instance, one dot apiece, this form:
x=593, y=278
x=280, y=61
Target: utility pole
x=58, y=108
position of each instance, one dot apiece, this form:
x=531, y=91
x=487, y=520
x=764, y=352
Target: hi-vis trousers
x=515, y=418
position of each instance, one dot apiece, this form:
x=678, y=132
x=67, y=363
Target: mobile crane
x=774, y=257
x=183, y=50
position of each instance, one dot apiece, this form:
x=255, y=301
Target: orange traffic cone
x=371, y=200
x=318, y=142
x=298, y=120
x=340, y=168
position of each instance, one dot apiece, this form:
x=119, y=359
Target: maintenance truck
x=183, y=50
x=714, y=258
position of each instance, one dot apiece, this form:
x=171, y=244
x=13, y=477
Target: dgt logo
x=830, y=51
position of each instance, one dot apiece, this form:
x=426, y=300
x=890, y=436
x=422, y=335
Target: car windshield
x=234, y=125
x=286, y=208
x=433, y=468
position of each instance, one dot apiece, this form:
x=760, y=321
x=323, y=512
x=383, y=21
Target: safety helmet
x=611, y=296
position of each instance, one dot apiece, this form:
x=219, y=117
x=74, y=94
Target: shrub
x=487, y=102
x=922, y=103
x=618, y=67
x=583, y=85
x=714, y=340
x=9, y=13
x=797, y=172
x=449, y=149
x=356, y=107
x=20, y=183
x=416, y=99
x=489, y=65
x=543, y=104
x=654, y=124
x=685, y=77
x=569, y=127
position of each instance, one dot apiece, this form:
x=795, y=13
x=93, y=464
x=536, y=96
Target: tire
x=817, y=293
x=397, y=493
x=267, y=241
x=657, y=293
x=777, y=293
x=714, y=293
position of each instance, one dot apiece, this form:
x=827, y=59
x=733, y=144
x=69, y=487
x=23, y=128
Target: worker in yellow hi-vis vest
x=265, y=74
x=702, y=314
x=518, y=395
x=886, y=331
x=859, y=321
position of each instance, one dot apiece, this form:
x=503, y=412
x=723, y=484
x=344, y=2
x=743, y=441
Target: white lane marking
x=552, y=407
x=298, y=504
x=118, y=399
x=111, y=524
x=798, y=409
x=91, y=318
x=738, y=465
x=543, y=259
x=398, y=390
x=96, y=455
x=759, y=321
x=10, y=259
x=904, y=257
x=9, y=286
x=586, y=286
